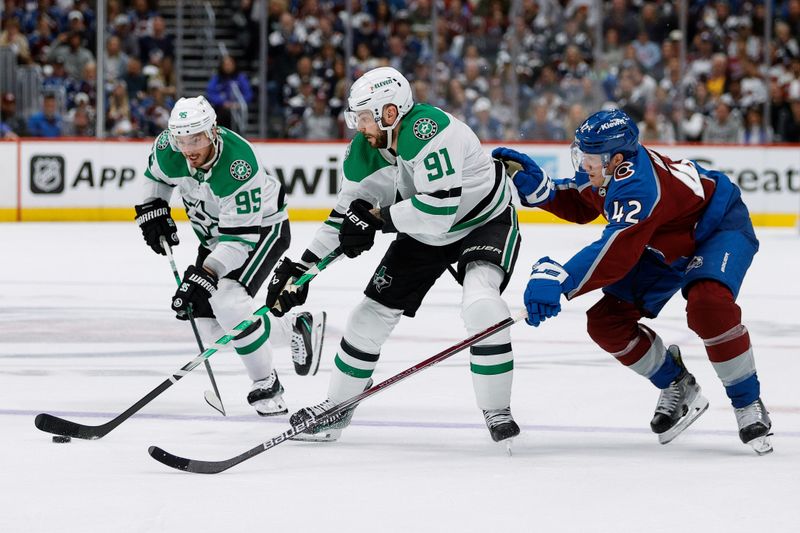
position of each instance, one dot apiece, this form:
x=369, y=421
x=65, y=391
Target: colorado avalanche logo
x=425, y=128
x=241, y=170
x=623, y=171
x=163, y=141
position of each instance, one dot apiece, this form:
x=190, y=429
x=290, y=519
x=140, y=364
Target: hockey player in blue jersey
x=672, y=225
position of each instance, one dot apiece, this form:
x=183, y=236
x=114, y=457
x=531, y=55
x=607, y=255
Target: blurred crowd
x=532, y=76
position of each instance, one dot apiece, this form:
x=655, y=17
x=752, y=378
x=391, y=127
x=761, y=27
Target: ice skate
x=266, y=395
x=754, y=425
x=680, y=404
x=308, y=332
x=329, y=431
x=501, y=426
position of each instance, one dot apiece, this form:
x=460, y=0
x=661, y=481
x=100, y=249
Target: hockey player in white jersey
x=238, y=213
x=416, y=171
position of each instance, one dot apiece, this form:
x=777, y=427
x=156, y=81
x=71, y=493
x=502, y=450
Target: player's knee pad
x=612, y=323
x=711, y=309
x=481, y=304
x=370, y=324
x=209, y=329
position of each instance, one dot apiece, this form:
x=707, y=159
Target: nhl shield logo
x=425, y=128
x=381, y=280
x=241, y=170
x=163, y=141
x=47, y=174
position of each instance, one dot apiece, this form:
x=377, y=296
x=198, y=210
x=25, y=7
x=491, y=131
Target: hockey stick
x=53, y=424
x=213, y=398
x=215, y=467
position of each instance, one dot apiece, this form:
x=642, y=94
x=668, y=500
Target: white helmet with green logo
x=190, y=116
x=375, y=90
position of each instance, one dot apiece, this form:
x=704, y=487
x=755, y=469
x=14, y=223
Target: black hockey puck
x=61, y=438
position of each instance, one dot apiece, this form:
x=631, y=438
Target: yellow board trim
x=298, y=214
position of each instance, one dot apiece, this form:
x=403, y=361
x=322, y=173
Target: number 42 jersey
x=227, y=204
x=650, y=202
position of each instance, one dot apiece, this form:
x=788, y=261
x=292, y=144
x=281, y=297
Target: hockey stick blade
x=214, y=467
x=214, y=401
x=59, y=426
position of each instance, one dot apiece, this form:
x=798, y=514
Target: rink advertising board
x=101, y=180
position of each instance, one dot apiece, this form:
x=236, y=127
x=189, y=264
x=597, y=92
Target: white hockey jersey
x=440, y=185
x=227, y=204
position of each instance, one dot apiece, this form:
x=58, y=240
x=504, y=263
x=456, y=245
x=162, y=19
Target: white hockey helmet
x=189, y=117
x=373, y=91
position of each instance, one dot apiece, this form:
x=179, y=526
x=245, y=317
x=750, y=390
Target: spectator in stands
x=540, y=127
x=654, y=127
x=86, y=85
x=485, y=126
x=754, y=131
x=47, y=122
x=72, y=53
x=77, y=24
x=8, y=115
x=140, y=15
x=157, y=43
x=135, y=80
x=155, y=108
x=129, y=41
x=41, y=39
x=622, y=19
x=790, y=121
x=13, y=38
x=724, y=126
x=318, y=123
x=223, y=87
x=116, y=61
x=79, y=124
x=118, y=116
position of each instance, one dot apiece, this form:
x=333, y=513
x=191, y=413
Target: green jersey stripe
x=477, y=220
x=432, y=210
x=236, y=238
x=260, y=254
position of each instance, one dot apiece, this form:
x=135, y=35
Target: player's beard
x=381, y=140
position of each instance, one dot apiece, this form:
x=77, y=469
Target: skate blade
x=697, y=408
x=271, y=407
x=761, y=445
x=317, y=338
x=323, y=436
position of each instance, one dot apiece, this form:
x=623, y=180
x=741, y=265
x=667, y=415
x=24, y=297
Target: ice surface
x=85, y=331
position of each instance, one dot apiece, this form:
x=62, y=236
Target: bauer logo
x=47, y=174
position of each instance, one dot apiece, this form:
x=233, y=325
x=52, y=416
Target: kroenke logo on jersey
x=241, y=170
x=47, y=174
x=425, y=128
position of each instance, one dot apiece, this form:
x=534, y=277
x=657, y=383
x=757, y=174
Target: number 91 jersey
x=227, y=203
x=650, y=202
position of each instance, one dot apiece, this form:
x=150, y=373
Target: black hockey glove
x=281, y=291
x=196, y=288
x=155, y=220
x=358, y=229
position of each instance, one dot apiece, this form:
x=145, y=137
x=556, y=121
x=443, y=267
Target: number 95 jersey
x=650, y=202
x=228, y=203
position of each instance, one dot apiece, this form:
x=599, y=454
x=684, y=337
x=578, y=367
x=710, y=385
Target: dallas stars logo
x=163, y=141
x=425, y=128
x=241, y=170
x=381, y=280
x=183, y=114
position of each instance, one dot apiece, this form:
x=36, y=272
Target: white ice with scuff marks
x=85, y=331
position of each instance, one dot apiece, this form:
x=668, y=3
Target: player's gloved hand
x=358, y=229
x=543, y=294
x=155, y=220
x=197, y=286
x=282, y=295
x=533, y=184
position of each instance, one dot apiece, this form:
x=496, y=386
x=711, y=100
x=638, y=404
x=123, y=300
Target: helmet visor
x=358, y=119
x=583, y=162
x=192, y=141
